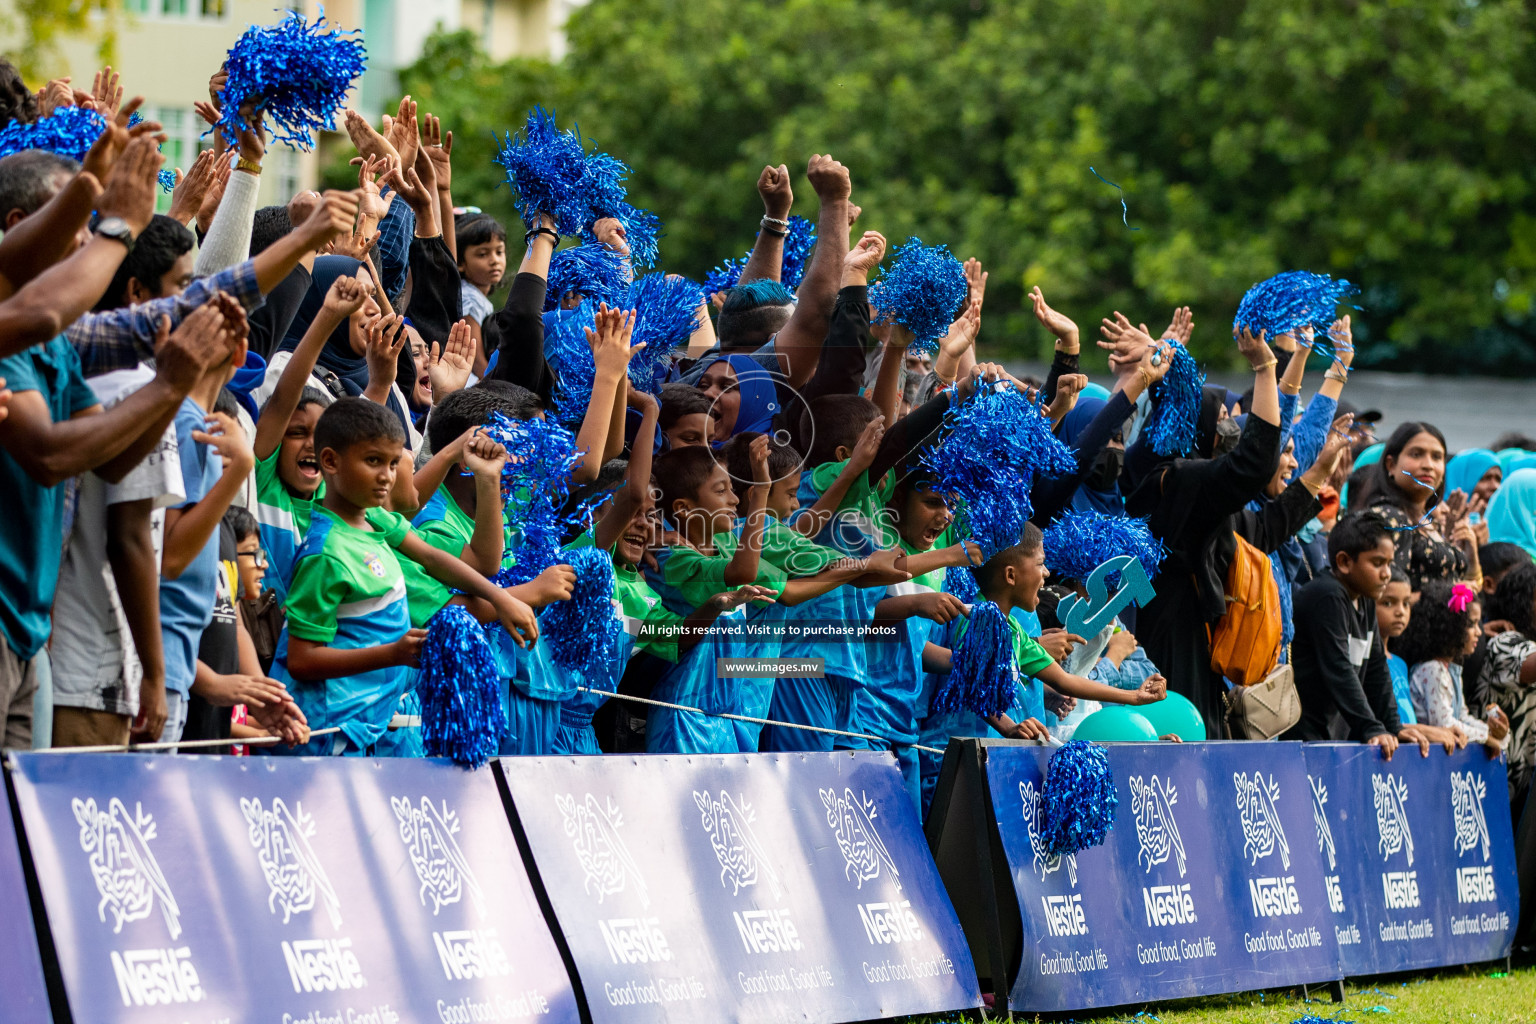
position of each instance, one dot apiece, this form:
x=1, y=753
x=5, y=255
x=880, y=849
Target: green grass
x=1442, y=997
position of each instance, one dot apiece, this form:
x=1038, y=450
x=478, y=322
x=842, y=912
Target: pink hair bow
x=1462, y=597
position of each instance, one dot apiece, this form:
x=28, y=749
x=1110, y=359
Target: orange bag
x=1245, y=642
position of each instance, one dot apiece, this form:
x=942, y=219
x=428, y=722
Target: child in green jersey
x=347, y=646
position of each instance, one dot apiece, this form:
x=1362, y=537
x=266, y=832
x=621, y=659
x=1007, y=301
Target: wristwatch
x=116, y=229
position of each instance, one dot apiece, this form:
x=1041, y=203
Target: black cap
x=1366, y=416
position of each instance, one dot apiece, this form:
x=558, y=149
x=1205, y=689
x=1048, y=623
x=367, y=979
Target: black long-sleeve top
x=270, y=320
x=1341, y=666
x=516, y=332
x=1051, y=497
x=435, y=291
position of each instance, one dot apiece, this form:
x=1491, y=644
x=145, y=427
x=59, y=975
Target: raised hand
x=226, y=438
x=1255, y=350
x=610, y=232
x=109, y=145
x=385, y=338
x=774, y=187
x=372, y=206
x=368, y=142
x=107, y=92
x=1068, y=387
x=962, y=333
x=868, y=444
x=131, y=187
x=236, y=323
x=54, y=95
x=483, y=456
x=439, y=147
x=403, y=131
x=222, y=169
x=829, y=178
x=332, y=217
x=198, y=342
x=1127, y=344
x=757, y=455
x=1343, y=339
x=1182, y=324
x=449, y=365
x=865, y=255
x=192, y=187
x=1059, y=324
x=407, y=181
x=347, y=295
x=610, y=342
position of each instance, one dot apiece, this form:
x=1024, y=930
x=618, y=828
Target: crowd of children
x=254, y=455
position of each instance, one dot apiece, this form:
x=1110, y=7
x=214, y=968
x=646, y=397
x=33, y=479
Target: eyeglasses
x=257, y=557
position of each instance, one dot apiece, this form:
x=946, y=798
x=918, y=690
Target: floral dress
x=1501, y=674
x=1437, y=700
x=1422, y=552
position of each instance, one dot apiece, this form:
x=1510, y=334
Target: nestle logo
x=635, y=940
x=471, y=953
x=322, y=965
x=1168, y=904
x=1064, y=915
x=1475, y=885
x=1335, y=893
x=151, y=977
x=1274, y=897
x=1401, y=889
x=888, y=922
x=767, y=931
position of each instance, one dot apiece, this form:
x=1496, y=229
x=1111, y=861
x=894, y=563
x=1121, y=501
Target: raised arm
x=799, y=343
x=611, y=351
x=637, y=477
x=767, y=258
x=742, y=568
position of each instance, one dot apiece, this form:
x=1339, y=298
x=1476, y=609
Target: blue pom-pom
x=1291, y=300
x=167, y=180
x=998, y=442
x=1176, y=404
x=296, y=72
x=1078, y=799
x=797, y=252
x=462, y=717
x=922, y=290
x=545, y=167
x=1080, y=541
x=68, y=131
x=535, y=483
x=983, y=674
x=666, y=315
x=724, y=277
x=961, y=582
x=581, y=632
x=592, y=269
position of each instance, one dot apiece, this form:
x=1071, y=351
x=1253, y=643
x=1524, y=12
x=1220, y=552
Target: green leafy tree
x=1374, y=140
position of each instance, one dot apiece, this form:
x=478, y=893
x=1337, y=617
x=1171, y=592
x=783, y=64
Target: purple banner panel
x=196, y=890
x=758, y=887
x=25, y=996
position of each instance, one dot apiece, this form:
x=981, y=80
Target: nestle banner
x=300, y=891
x=1209, y=882
x=1419, y=855
x=764, y=887
x=25, y=998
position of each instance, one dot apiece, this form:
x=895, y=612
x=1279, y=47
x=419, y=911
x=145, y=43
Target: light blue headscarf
x=1512, y=512
x=1468, y=468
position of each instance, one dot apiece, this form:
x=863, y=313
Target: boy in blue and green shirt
x=347, y=647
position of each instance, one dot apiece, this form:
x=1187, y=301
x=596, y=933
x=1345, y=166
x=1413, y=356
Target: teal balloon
x=1115, y=724
x=1174, y=714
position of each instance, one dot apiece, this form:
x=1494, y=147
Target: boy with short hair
x=348, y=643
x=1340, y=663
x=687, y=416
x=482, y=256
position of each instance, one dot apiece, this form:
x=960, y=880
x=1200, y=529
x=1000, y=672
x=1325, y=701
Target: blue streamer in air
x=1079, y=799
x=1125, y=211
x=983, y=674
x=535, y=483
x=462, y=717
x=295, y=72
